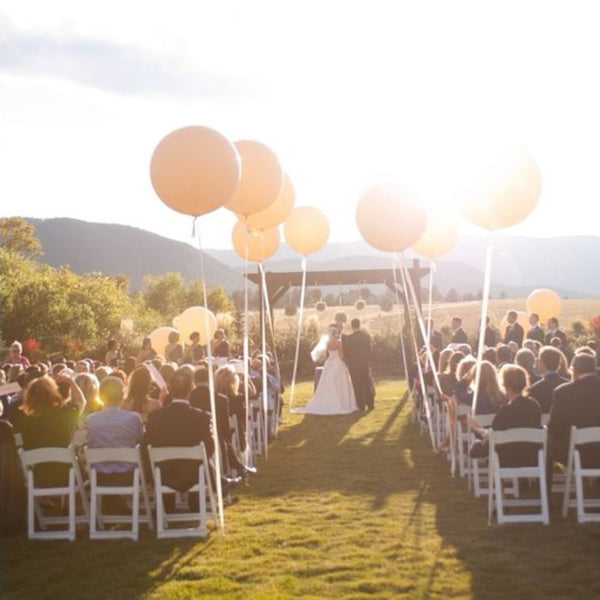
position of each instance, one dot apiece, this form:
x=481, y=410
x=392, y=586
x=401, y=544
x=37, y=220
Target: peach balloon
x=276, y=213
x=390, y=218
x=261, y=181
x=195, y=170
x=259, y=244
x=546, y=303
x=159, y=338
x=306, y=230
x=440, y=235
x=192, y=319
x=522, y=320
x=506, y=195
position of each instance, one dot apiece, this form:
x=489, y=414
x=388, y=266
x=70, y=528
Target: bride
x=334, y=394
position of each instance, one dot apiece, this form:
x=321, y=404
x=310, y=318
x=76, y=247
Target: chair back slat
x=586, y=435
x=176, y=453
x=519, y=434
x=100, y=455
x=37, y=456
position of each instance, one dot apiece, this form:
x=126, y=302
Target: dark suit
x=436, y=340
x=536, y=333
x=560, y=335
x=459, y=336
x=514, y=333
x=542, y=390
x=357, y=354
x=179, y=424
x=575, y=403
x=489, y=339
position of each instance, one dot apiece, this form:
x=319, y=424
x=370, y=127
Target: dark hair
x=584, y=363
x=457, y=319
x=556, y=342
x=112, y=343
x=512, y=313
x=147, y=343
x=537, y=317
x=173, y=337
x=129, y=364
x=504, y=353
x=491, y=355
x=195, y=335
x=554, y=319
x=139, y=387
x=181, y=384
x=550, y=356
x=355, y=323
x=201, y=376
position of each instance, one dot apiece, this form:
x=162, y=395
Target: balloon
x=506, y=195
x=440, y=235
x=306, y=229
x=159, y=338
x=195, y=170
x=390, y=218
x=545, y=303
x=522, y=320
x=261, y=245
x=192, y=319
x=276, y=213
x=261, y=181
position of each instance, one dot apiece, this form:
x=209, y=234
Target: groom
x=357, y=354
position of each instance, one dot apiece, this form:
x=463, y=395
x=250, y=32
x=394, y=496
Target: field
x=378, y=321
x=346, y=507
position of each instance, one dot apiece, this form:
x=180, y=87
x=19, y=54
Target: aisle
x=346, y=507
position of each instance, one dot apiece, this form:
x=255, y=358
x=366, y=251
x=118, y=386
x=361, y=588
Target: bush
x=290, y=310
x=578, y=328
x=341, y=317
x=594, y=325
x=386, y=304
x=360, y=305
x=321, y=306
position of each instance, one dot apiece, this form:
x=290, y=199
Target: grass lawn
x=345, y=507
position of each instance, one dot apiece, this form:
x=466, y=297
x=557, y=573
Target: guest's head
x=444, y=360
x=57, y=368
x=201, y=376
x=532, y=345
x=583, y=364
x=219, y=335
x=31, y=374
x=488, y=382
x=167, y=371
x=16, y=349
x=556, y=342
x=549, y=359
x=585, y=350
x=463, y=371
x=513, y=380
x=181, y=384
x=563, y=367
x=195, y=337
x=41, y=395
x=102, y=372
x=504, y=354
x=513, y=347
x=81, y=366
x=491, y=355
x=147, y=344
x=226, y=381
x=534, y=319
x=173, y=337
x=138, y=388
x=456, y=322
x=525, y=358
x=593, y=345
x=113, y=345
x=552, y=323
x=120, y=374
x=129, y=365
x=158, y=362
x=355, y=324
x=465, y=349
x=111, y=391
x=90, y=386
x=511, y=317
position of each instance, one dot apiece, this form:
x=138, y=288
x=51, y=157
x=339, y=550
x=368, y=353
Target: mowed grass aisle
x=345, y=507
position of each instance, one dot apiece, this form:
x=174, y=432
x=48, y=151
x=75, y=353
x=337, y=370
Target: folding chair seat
x=37, y=458
x=203, y=488
x=577, y=474
x=499, y=474
x=138, y=483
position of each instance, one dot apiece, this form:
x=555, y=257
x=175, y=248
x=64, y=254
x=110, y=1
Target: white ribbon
x=402, y=321
x=300, y=315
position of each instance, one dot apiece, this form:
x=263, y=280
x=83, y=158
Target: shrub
x=290, y=310
x=342, y=317
x=360, y=305
x=594, y=325
x=321, y=306
x=386, y=304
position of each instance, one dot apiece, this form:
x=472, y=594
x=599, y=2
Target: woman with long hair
x=138, y=397
x=90, y=386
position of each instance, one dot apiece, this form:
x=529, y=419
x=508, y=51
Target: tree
x=18, y=235
x=502, y=296
x=166, y=294
x=452, y=295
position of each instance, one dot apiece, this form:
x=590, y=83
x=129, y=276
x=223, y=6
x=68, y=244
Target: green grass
x=345, y=507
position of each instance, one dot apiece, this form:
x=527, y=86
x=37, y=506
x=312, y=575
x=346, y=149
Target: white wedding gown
x=335, y=394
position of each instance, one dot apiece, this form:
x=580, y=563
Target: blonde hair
x=488, y=382
x=464, y=367
x=227, y=381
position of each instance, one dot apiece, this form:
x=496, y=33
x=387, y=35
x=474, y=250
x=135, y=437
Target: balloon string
x=211, y=385
x=263, y=336
x=419, y=366
x=300, y=314
x=398, y=300
x=246, y=353
x=270, y=323
x=431, y=272
x=483, y=324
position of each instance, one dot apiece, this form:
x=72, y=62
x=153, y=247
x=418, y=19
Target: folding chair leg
x=567, y=492
x=71, y=505
x=544, y=492
x=135, y=516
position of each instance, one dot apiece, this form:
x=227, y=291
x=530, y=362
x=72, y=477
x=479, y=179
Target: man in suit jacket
x=514, y=331
x=357, y=354
x=542, y=390
x=459, y=335
x=555, y=332
x=576, y=403
x=489, y=338
x=535, y=331
x=178, y=424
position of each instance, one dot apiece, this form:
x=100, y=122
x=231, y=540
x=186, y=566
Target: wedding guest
x=16, y=355
x=463, y=378
x=489, y=398
x=82, y=366
x=557, y=343
x=173, y=350
x=448, y=378
x=13, y=499
x=534, y=346
x=526, y=359
x=514, y=331
x=90, y=386
x=491, y=355
x=220, y=345
x=563, y=367
x=102, y=372
x=505, y=356
x=147, y=352
x=576, y=403
x=129, y=365
x=542, y=390
x=555, y=332
x=167, y=370
x=443, y=360
x=194, y=352
x=465, y=349
x=436, y=340
x=113, y=355
x=458, y=333
x=489, y=337
x=138, y=397
x=535, y=331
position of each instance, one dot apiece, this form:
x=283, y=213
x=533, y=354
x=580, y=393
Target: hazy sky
x=344, y=92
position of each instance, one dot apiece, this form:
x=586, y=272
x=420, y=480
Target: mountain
x=120, y=249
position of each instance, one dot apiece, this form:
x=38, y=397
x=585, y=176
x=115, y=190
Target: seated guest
x=81, y=366
x=13, y=498
x=575, y=403
x=465, y=349
x=220, y=346
x=90, y=386
x=541, y=391
x=458, y=333
x=563, y=367
x=526, y=359
x=179, y=424
x=173, y=350
x=520, y=411
x=514, y=331
x=557, y=343
x=489, y=398
x=194, y=353
x=491, y=355
x=534, y=346
x=512, y=346
x=138, y=393
x=102, y=372
x=167, y=370
x=147, y=352
x=505, y=356
x=448, y=378
x=535, y=331
x=113, y=355
x=443, y=360
x=16, y=355
x=113, y=427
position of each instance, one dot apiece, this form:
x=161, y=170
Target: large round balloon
x=195, y=170
x=390, y=218
x=192, y=319
x=506, y=195
x=306, y=230
x=159, y=338
x=260, y=245
x=522, y=320
x=440, y=235
x=545, y=303
x=276, y=213
x=261, y=181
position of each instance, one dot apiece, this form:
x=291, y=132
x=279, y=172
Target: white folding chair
x=576, y=475
x=203, y=488
x=138, y=482
x=480, y=466
x=499, y=474
x=38, y=457
x=462, y=439
x=257, y=424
